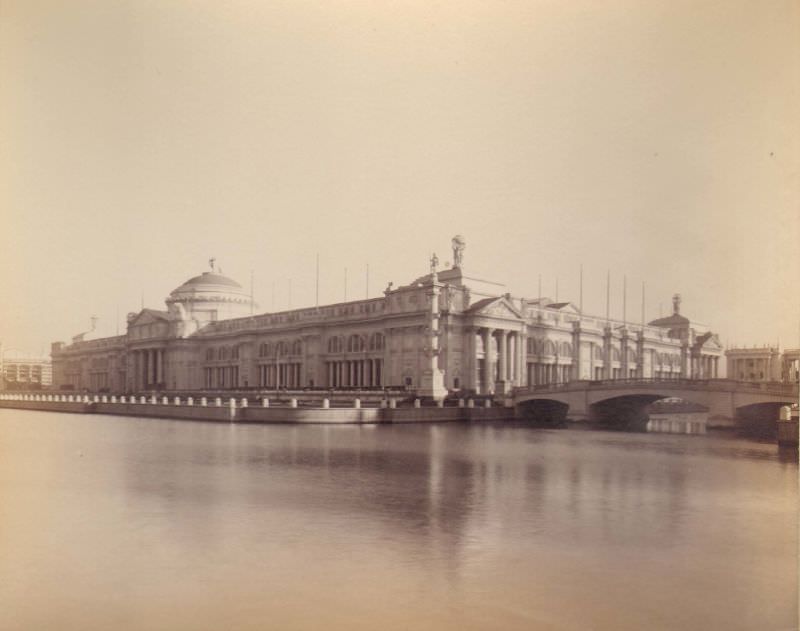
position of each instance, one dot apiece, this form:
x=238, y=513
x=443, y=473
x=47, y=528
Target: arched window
x=335, y=345
x=297, y=347
x=235, y=352
x=223, y=352
x=376, y=342
x=209, y=354
x=598, y=352
x=265, y=349
x=355, y=344
x=615, y=354
x=549, y=347
x=283, y=348
x=566, y=349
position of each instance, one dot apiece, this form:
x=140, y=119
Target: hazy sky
x=655, y=139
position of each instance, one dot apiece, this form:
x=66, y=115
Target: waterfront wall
x=251, y=414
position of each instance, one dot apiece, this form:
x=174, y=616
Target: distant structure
x=762, y=364
x=24, y=371
x=445, y=331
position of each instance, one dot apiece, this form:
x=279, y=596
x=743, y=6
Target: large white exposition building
x=444, y=331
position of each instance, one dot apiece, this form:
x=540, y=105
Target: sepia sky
x=657, y=140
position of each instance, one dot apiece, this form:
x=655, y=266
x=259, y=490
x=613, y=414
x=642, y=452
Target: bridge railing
x=773, y=387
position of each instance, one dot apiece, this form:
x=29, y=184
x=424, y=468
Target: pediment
x=712, y=344
x=565, y=307
x=148, y=316
x=495, y=308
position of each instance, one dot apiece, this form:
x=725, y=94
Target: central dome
x=207, y=280
x=211, y=296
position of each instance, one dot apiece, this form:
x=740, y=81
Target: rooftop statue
x=459, y=244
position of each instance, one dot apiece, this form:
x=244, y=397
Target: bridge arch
x=543, y=410
x=630, y=411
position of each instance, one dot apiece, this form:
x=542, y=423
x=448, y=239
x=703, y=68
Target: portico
x=147, y=365
x=496, y=348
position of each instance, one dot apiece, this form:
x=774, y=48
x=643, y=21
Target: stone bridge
x=725, y=399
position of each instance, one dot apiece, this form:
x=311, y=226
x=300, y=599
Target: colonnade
x=539, y=373
x=503, y=368
x=148, y=367
x=354, y=373
x=705, y=367
x=281, y=375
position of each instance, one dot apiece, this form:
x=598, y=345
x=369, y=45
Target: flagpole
x=625, y=300
x=642, y=306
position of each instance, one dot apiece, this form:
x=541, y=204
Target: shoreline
x=275, y=414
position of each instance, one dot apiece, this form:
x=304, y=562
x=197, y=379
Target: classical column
x=487, y=360
x=501, y=356
x=511, y=354
x=386, y=376
x=624, y=356
x=470, y=359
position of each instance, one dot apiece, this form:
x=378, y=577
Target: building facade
x=445, y=331
x=23, y=371
x=766, y=363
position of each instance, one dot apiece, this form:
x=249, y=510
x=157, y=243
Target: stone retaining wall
x=274, y=414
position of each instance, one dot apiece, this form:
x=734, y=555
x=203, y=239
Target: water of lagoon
x=126, y=523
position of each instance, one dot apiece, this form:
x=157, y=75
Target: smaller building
x=24, y=371
x=790, y=365
x=755, y=364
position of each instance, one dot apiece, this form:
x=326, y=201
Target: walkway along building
x=444, y=331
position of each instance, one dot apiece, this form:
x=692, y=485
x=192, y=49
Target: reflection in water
x=143, y=523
